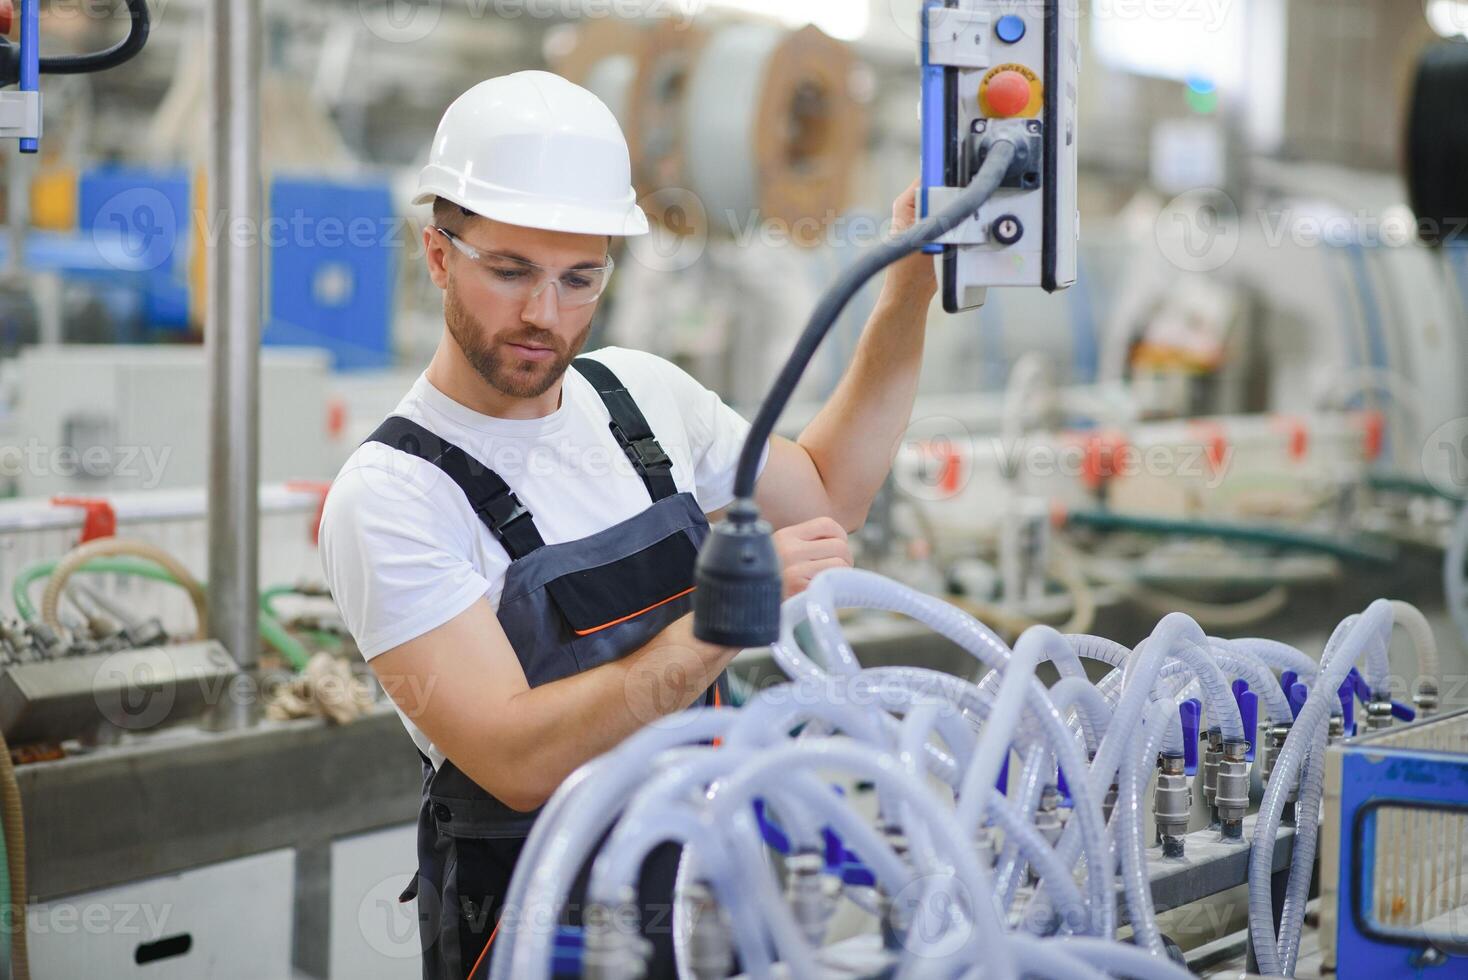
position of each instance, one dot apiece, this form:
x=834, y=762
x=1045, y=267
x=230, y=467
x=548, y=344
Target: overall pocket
x=596, y=599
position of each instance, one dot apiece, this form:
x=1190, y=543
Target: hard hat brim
x=566, y=216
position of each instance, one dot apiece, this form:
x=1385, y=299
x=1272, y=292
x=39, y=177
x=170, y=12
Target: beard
x=499, y=366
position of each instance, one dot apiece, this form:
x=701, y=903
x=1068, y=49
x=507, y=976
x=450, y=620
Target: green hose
x=270, y=628
x=1359, y=548
x=1405, y=483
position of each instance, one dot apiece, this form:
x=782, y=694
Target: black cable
x=124, y=50
x=983, y=186
x=737, y=599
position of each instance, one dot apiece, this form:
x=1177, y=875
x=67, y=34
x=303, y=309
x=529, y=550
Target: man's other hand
x=809, y=548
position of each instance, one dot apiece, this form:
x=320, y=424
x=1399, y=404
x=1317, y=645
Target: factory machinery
x=968, y=867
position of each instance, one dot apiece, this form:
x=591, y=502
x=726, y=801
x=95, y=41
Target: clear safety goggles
x=523, y=281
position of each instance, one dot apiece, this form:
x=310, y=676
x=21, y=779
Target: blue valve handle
x=769, y=830
x=1191, y=711
x=1297, y=695
x=1002, y=783
x=1287, y=680
x=568, y=952
x=1239, y=686
x=30, y=58
x=1347, y=693
x=1359, y=686
x=1400, y=711
x=1249, y=714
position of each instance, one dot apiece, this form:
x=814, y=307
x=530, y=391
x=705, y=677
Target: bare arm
x=842, y=458
x=463, y=686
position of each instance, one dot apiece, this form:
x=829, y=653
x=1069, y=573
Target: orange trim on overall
x=483, y=952
x=604, y=626
x=718, y=703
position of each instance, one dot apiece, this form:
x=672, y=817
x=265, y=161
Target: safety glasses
x=517, y=279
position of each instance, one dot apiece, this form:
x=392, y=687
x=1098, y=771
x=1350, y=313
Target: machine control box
x=1002, y=70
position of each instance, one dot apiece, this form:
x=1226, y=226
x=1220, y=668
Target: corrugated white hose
x=1279, y=656
x=963, y=872
x=1117, y=959
x=1302, y=858
x=1365, y=631
x=768, y=717
x=1137, y=771
x=1307, y=828
x=968, y=696
x=855, y=588
x=1135, y=697
x=1234, y=664
x=1039, y=764
x=973, y=703
x=1091, y=709
x=994, y=741
x=1429, y=671
x=679, y=823
x=586, y=802
x=1223, y=710
x=1014, y=822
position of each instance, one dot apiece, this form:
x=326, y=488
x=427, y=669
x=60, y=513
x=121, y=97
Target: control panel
x=1002, y=70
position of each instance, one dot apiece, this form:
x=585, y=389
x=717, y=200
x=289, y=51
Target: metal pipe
x=232, y=334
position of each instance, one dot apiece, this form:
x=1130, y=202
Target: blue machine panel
x=1403, y=876
x=139, y=221
x=333, y=260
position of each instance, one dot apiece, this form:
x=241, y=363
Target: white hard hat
x=535, y=150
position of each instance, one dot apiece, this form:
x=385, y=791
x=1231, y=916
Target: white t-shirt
x=404, y=553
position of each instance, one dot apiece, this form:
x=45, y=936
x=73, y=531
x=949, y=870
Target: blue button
x=1010, y=28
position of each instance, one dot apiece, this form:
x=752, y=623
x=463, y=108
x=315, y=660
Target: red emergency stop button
x=7, y=16
x=1008, y=94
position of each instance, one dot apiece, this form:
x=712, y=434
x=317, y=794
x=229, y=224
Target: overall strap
x=493, y=501
x=631, y=430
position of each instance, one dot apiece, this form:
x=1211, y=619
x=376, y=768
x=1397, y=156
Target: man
x=513, y=550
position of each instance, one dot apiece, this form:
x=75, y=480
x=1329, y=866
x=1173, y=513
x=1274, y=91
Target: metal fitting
x=985, y=848
x=1335, y=731
x=1108, y=803
x=806, y=893
x=1233, y=788
x=614, y=948
x=1048, y=823
x=1274, y=741
x=1212, y=757
x=1047, y=817
x=710, y=946
x=1425, y=700
x=1378, y=715
x=1172, y=804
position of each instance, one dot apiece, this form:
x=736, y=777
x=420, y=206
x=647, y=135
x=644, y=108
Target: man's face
x=519, y=346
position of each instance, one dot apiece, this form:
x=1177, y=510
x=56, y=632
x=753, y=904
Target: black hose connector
x=737, y=602
x=124, y=50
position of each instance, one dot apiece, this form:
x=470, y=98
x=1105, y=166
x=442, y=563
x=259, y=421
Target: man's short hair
x=450, y=216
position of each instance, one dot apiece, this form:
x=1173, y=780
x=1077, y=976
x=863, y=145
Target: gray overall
x=566, y=608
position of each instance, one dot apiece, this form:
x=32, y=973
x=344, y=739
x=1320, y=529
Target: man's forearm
x=855, y=436
x=573, y=720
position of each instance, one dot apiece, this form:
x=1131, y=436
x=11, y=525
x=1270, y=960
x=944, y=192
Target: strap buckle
x=503, y=510
x=645, y=453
